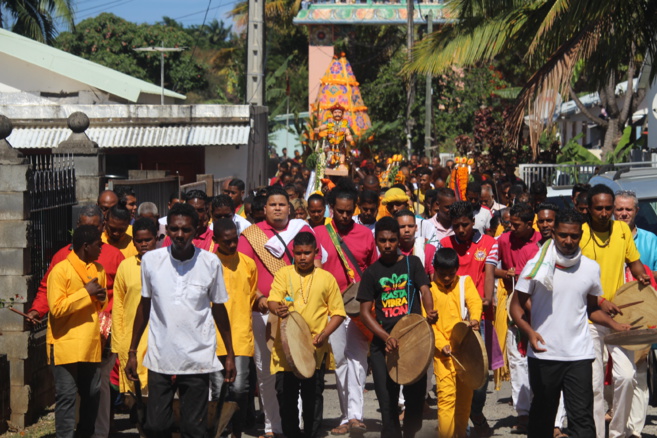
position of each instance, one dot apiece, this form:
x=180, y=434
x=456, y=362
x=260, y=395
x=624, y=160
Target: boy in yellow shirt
x=127, y=295
x=454, y=399
x=241, y=278
x=76, y=293
x=314, y=294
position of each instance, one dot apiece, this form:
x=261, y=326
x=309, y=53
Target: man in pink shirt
x=515, y=249
x=351, y=249
x=441, y=220
x=203, y=238
x=269, y=243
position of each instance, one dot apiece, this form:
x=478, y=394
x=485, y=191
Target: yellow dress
x=241, y=278
x=127, y=296
x=454, y=399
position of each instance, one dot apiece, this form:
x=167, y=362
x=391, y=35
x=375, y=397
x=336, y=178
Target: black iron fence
x=52, y=196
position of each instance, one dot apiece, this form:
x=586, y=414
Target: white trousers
x=640, y=398
x=519, y=371
x=266, y=382
x=350, y=347
x=623, y=374
x=102, y=425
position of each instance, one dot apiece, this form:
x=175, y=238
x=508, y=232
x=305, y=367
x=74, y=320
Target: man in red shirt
x=351, y=249
x=269, y=244
x=516, y=248
x=477, y=258
x=203, y=238
x=109, y=258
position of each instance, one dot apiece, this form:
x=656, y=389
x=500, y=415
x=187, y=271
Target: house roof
x=77, y=68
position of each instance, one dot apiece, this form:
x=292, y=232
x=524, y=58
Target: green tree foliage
x=35, y=18
x=110, y=41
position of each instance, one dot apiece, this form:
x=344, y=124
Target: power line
x=103, y=6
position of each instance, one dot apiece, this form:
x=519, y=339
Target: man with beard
x=351, y=249
x=184, y=285
x=269, y=244
x=611, y=244
x=564, y=288
x=116, y=231
x=546, y=214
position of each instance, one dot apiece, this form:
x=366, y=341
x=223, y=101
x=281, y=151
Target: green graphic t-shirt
x=388, y=287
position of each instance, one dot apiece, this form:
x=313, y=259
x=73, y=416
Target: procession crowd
x=192, y=301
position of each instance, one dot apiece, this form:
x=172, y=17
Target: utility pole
x=410, y=86
x=428, y=95
x=161, y=50
x=255, y=54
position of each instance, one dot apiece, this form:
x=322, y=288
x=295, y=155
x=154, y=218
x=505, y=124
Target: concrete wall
x=222, y=161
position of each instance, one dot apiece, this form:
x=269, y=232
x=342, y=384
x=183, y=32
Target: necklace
x=603, y=244
x=305, y=298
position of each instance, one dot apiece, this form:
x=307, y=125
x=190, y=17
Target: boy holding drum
x=314, y=294
x=457, y=298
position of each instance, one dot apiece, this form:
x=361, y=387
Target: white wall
x=651, y=103
x=222, y=161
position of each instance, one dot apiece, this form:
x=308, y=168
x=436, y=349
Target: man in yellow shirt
x=314, y=294
x=127, y=295
x=116, y=228
x=611, y=245
x=241, y=278
x=454, y=399
x=76, y=293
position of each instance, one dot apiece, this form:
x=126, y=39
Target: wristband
x=602, y=300
x=132, y=351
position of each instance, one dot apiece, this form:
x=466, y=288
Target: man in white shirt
x=482, y=213
x=224, y=207
x=184, y=286
x=564, y=287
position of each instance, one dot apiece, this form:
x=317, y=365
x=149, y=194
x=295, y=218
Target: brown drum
x=351, y=304
x=632, y=338
x=298, y=345
x=469, y=352
x=639, y=306
x=416, y=344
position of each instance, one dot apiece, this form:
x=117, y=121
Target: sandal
x=342, y=429
x=356, y=426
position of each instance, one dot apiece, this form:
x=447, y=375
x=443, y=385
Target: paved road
x=500, y=414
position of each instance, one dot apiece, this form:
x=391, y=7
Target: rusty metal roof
x=136, y=136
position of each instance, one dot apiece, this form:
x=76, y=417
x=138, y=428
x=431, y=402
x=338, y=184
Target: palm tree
x=603, y=41
x=34, y=18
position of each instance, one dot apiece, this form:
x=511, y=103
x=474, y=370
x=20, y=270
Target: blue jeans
x=76, y=378
x=238, y=391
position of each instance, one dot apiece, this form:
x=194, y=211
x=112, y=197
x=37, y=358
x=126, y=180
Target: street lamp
x=161, y=50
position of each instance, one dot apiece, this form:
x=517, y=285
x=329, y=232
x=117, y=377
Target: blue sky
x=188, y=12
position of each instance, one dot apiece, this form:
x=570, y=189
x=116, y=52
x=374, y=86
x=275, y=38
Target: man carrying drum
x=314, y=294
x=351, y=250
x=564, y=287
x=611, y=245
x=396, y=285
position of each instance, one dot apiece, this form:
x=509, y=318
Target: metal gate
x=52, y=196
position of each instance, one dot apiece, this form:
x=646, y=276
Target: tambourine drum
x=639, y=306
x=469, y=351
x=633, y=338
x=298, y=345
x=351, y=304
x=415, y=349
